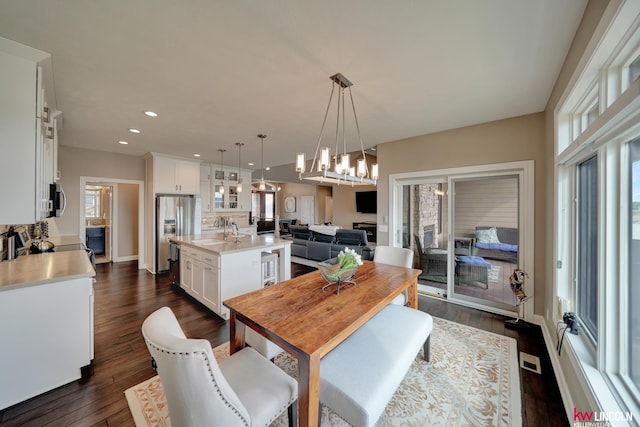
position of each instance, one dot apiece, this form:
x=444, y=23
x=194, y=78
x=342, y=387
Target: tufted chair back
x=195, y=389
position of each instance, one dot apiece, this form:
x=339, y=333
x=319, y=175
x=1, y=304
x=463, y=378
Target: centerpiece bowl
x=340, y=270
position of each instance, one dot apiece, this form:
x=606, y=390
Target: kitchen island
x=46, y=323
x=213, y=269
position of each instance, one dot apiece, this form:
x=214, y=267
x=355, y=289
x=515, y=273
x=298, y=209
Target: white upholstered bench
x=359, y=377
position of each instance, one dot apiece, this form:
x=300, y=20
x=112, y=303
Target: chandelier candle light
x=342, y=171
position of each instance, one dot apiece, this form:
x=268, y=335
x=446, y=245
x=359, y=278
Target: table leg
x=412, y=294
x=308, y=390
x=236, y=334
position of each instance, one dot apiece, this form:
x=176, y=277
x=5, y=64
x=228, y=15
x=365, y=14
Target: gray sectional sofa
x=319, y=247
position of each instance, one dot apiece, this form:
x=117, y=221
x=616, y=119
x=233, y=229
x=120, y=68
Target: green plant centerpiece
x=339, y=270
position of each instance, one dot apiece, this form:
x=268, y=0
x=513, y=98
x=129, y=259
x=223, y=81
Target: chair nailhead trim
x=215, y=384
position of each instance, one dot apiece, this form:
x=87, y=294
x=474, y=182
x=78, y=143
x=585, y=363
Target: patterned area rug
x=472, y=380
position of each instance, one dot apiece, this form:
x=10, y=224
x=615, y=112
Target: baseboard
x=565, y=393
x=126, y=258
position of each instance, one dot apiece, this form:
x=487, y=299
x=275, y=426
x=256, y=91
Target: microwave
x=57, y=200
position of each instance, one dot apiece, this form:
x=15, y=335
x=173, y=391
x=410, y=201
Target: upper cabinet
x=28, y=133
x=174, y=176
x=220, y=189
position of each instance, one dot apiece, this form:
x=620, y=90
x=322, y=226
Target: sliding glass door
x=485, y=236
x=425, y=230
x=469, y=228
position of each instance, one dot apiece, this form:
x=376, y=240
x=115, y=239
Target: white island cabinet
x=213, y=270
x=46, y=323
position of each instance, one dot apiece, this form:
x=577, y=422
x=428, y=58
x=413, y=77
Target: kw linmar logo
x=599, y=418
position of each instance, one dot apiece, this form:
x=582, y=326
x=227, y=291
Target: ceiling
x=220, y=72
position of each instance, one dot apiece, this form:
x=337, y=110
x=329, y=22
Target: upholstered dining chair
x=401, y=257
x=244, y=389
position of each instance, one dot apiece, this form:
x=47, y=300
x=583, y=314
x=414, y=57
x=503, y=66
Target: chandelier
x=340, y=170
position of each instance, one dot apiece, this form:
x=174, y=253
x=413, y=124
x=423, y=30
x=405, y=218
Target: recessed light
x=250, y=163
x=267, y=168
x=196, y=155
x=123, y=142
x=132, y=130
x=151, y=114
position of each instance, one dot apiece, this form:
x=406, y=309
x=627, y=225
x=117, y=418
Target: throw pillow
x=487, y=235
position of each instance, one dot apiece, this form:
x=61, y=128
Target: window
x=92, y=203
x=597, y=221
x=634, y=70
x=587, y=242
x=634, y=265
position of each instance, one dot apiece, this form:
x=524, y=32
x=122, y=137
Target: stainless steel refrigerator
x=175, y=216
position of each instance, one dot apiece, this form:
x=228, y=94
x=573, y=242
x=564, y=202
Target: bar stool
x=269, y=269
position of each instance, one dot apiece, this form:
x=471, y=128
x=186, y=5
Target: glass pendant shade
x=362, y=168
x=300, y=163
x=263, y=186
x=239, y=186
x=325, y=161
x=374, y=171
x=221, y=189
x=345, y=163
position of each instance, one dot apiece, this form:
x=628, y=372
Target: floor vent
x=530, y=362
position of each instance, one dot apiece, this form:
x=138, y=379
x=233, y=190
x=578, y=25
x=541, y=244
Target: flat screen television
x=367, y=201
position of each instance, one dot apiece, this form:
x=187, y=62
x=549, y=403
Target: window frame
x=96, y=196
x=603, y=366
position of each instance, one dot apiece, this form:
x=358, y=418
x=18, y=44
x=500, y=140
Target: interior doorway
x=98, y=208
x=123, y=231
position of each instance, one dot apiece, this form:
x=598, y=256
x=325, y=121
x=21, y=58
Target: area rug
x=472, y=380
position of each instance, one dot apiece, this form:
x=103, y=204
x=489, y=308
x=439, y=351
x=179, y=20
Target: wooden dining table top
x=299, y=315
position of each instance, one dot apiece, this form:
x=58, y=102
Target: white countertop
x=215, y=243
x=38, y=269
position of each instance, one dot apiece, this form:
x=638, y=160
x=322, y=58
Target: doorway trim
x=523, y=168
x=84, y=180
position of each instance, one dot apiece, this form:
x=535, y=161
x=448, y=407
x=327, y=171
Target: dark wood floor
x=124, y=296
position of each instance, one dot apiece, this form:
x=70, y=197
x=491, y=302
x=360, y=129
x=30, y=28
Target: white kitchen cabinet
x=46, y=332
x=199, y=276
x=175, y=176
x=30, y=157
x=205, y=187
x=211, y=282
x=229, y=199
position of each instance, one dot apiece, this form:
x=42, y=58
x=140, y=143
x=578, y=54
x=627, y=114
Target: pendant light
x=263, y=185
x=222, y=166
x=342, y=171
x=239, y=145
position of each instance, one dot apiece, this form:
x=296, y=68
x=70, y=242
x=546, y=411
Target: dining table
x=308, y=322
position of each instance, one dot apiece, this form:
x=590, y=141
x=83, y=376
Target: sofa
x=504, y=249
x=320, y=247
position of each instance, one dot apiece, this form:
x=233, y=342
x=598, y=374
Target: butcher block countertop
x=243, y=242
x=38, y=269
